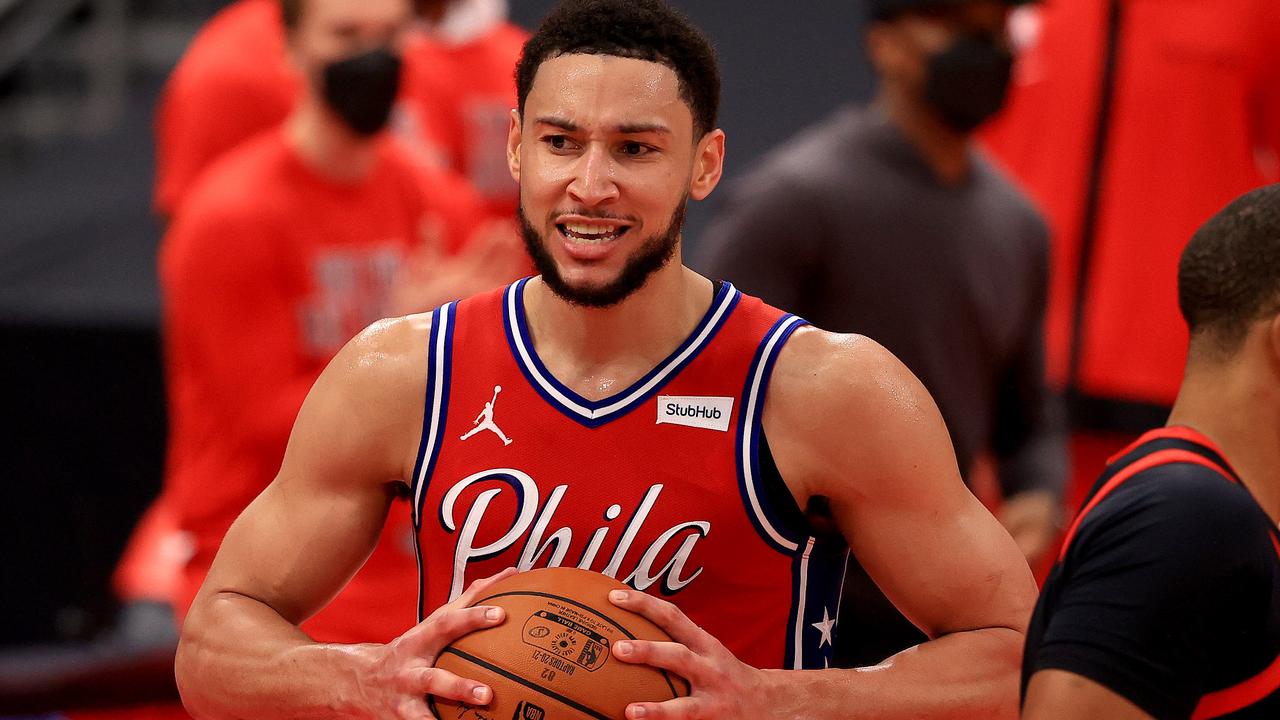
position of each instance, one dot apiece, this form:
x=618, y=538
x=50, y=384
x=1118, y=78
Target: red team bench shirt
x=232, y=83
x=665, y=485
x=462, y=90
x=267, y=271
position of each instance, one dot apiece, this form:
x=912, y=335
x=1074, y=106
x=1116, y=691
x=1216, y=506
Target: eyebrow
x=633, y=128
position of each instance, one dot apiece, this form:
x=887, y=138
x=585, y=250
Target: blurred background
x=80, y=301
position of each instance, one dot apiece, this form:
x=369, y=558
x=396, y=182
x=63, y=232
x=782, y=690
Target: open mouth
x=585, y=232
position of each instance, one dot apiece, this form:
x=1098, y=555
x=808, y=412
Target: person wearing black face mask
x=888, y=222
x=362, y=89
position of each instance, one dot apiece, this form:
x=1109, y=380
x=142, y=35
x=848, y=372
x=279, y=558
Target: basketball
x=552, y=658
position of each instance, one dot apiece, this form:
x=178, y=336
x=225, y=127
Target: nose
x=593, y=181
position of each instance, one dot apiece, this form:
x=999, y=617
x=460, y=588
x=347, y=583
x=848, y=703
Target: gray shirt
x=847, y=226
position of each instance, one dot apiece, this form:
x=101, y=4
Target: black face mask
x=967, y=83
x=362, y=89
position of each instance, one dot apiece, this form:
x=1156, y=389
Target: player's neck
x=943, y=149
x=327, y=146
x=600, y=351
x=1228, y=405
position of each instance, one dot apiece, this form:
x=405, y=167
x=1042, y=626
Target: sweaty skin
x=609, y=137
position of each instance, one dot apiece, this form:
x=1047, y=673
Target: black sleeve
x=1148, y=600
x=1029, y=438
x=765, y=240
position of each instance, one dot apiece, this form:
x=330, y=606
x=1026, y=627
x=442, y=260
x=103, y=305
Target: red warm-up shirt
x=267, y=270
x=465, y=91
x=232, y=83
x=1194, y=121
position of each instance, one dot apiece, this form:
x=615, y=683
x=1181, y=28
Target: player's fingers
x=666, y=616
x=444, y=684
x=447, y=625
x=474, y=590
x=685, y=708
x=665, y=655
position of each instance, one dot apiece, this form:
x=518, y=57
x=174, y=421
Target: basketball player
x=665, y=430
x=1165, y=601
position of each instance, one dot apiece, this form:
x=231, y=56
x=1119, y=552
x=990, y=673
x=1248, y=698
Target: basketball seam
x=665, y=676
x=525, y=682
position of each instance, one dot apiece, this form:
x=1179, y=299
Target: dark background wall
x=82, y=397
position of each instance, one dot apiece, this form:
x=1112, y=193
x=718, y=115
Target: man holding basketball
x=664, y=429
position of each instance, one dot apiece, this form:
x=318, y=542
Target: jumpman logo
x=484, y=421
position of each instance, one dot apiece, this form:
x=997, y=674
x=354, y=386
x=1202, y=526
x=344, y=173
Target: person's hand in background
x=490, y=257
x=1034, y=519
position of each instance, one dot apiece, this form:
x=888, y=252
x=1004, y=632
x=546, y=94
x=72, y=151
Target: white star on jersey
x=825, y=627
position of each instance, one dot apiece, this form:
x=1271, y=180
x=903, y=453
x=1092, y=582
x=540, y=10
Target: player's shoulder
x=846, y=373
x=1180, y=502
x=387, y=354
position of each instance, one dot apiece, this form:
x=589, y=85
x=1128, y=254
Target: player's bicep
x=294, y=556
x=1063, y=695
x=313, y=527
x=877, y=447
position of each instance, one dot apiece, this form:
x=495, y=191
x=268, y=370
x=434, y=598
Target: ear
x=881, y=48
x=890, y=52
x=513, y=145
x=708, y=165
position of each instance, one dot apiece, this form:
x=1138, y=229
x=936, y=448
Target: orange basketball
x=552, y=659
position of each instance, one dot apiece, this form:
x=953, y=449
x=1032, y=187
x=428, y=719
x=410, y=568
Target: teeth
x=585, y=229
x=590, y=233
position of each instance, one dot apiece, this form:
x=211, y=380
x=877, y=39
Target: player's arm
x=1063, y=695
x=241, y=653
x=847, y=421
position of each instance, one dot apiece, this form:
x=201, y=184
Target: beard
x=653, y=255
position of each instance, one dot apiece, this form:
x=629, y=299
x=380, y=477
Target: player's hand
x=723, y=687
x=1033, y=518
x=403, y=672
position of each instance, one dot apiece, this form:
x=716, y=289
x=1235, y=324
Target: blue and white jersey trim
x=435, y=413
x=748, y=445
x=594, y=413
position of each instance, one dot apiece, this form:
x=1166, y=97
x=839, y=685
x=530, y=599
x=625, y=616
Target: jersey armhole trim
x=768, y=523
x=434, y=415
x=1229, y=700
x=435, y=411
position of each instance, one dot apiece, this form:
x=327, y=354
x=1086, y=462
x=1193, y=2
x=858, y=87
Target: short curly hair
x=641, y=29
x=1229, y=274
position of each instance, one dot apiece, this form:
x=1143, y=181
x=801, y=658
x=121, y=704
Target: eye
x=558, y=143
x=635, y=149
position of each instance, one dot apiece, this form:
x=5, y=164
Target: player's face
x=331, y=30
x=606, y=160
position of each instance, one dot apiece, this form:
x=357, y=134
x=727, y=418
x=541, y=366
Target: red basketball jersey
x=666, y=485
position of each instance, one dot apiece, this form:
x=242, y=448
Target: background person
x=887, y=221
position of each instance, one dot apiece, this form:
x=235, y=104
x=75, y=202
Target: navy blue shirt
x=1168, y=588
